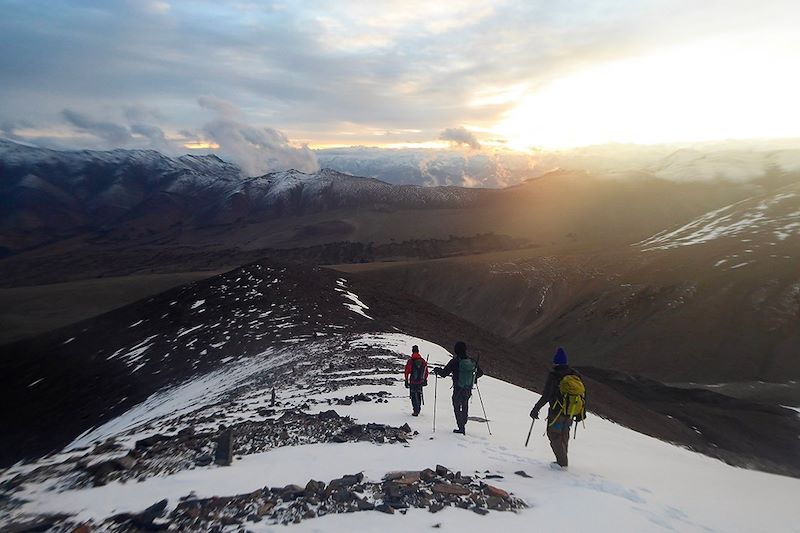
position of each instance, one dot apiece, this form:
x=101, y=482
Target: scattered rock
x=314, y=487
x=523, y=474
x=345, y=481
x=447, y=488
x=292, y=492
x=443, y=471
x=204, y=460
x=147, y=442
x=497, y=492
x=330, y=414
x=427, y=475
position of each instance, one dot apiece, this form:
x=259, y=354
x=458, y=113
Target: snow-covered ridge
x=621, y=479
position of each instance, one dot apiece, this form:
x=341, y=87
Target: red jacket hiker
x=419, y=379
x=409, y=367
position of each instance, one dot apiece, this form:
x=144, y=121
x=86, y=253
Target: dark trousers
x=558, y=433
x=461, y=406
x=416, y=397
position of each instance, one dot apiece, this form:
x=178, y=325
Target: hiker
x=566, y=399
x=416, y=377
x=465, y=373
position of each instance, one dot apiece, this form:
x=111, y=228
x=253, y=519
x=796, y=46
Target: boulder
x=427, y=475
x=497, y=492
x=346, y=481
x=292, y=492
x=314, y=487
x=444, y=472
x=330, y=414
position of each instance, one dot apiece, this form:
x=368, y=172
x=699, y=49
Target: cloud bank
x=256, y=150
x=340, y=72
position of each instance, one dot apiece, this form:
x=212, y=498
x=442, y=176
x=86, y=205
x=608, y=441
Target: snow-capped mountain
x=47, y=195
x=273, y=395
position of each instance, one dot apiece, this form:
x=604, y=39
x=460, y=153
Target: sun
x=706, y=91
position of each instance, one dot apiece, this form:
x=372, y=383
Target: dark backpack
x=417, y=371
x=466, y=373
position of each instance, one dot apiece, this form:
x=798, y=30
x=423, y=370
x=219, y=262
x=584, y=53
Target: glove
x=437, y=371
x=425, y=383
x=534, y=414
x=407, y=384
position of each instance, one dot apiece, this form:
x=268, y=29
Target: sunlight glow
x=693, y=93
x=201, y=145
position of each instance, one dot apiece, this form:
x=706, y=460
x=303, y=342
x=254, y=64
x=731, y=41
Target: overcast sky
x=178, y=76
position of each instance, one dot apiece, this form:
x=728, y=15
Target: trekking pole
x=529, y=432
x=482, y=407
x=435, y=390
x=421, y=392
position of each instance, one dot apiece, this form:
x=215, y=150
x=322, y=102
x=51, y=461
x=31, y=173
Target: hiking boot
x=460, y=431
x=414, y=414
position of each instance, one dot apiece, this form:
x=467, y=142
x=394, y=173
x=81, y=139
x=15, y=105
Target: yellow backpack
x=572, y=403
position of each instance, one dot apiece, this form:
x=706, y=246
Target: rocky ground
x=291, y=404
x=431, y=489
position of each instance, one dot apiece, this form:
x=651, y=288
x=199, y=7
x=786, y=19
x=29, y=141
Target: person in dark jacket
x=558, y=426
x=416, y=374
x=461, y=395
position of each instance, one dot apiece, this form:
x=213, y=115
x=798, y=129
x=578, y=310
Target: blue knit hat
x=561, y=357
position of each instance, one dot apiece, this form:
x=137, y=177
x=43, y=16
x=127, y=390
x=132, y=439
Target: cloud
x=156, y=138
x=115, y=134
x=256, y=150
x=460, y=136
x=487, y=168
x=8, y=128
x=317, y=69
x=222, y=107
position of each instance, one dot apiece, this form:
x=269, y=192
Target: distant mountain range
x=46, y=195
x=731, y=161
